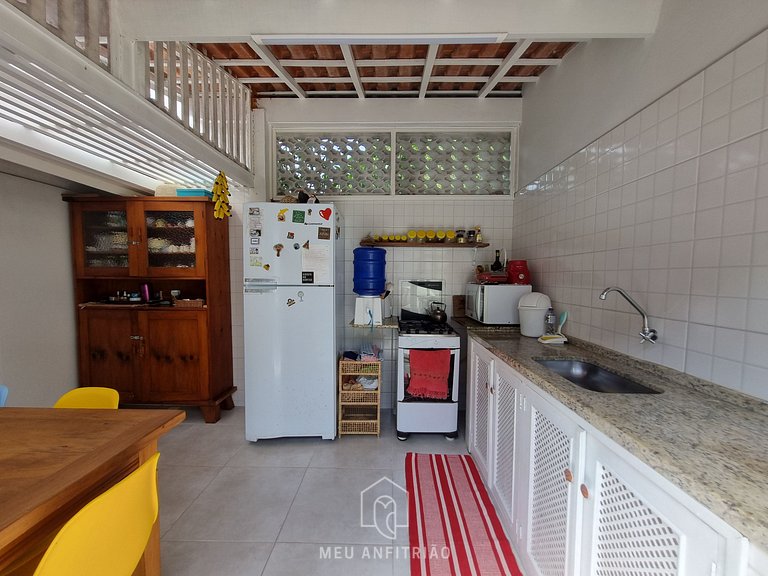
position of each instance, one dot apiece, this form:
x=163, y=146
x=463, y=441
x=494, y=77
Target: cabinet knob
x=568, y=475
x=584, y=491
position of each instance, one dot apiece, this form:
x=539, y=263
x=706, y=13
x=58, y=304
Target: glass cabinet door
x=105, y=240
x=171, y=241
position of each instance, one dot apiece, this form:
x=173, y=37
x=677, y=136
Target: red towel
x=429, y=373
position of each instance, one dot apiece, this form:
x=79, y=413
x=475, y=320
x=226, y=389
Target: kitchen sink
x=593, y=377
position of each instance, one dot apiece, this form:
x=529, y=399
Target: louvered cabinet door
x=507, y=394
x=481, y=367
x=633, y=524
x=551, y=530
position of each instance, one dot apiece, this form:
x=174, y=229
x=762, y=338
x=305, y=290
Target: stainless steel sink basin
x=594, y=377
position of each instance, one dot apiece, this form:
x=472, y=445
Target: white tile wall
x=672, y=205
x=364, y=216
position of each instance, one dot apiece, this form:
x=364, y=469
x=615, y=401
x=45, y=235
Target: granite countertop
x=709, y=441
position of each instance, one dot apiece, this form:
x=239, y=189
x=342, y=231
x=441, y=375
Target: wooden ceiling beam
x=349, y=59
x=509, y=61
x=266, y=54
x=428, y=66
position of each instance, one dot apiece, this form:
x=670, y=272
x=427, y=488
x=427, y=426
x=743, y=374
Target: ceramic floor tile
x=291, y=559
x=240, y=505
x=358, y=452
x=328, y=506
x=200, y=444
x=280, y=452
x=178, y=487
x=208, y=558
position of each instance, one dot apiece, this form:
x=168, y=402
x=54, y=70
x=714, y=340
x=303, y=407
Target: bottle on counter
x=497, y=265
x=550, y=321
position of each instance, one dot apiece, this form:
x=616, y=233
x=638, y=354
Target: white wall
x=363, y=216
x=602, y=83
x=671, y=205
x=38, y=352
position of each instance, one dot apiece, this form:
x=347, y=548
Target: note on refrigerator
x=317, y=261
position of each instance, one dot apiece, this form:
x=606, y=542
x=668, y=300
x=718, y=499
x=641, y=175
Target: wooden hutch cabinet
x=168, y=350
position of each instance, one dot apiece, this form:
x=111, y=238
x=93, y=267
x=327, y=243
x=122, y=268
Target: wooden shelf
x=381, y=244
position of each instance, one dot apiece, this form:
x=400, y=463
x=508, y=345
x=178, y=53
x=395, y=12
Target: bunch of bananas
x=221, y=197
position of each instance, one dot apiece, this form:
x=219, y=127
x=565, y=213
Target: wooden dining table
x=53, y=461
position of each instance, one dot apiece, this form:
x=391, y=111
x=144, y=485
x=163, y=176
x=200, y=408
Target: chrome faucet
x=647, y=334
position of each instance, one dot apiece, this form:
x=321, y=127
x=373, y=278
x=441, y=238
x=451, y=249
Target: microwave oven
x=495, y=303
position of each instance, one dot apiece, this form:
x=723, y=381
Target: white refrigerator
x=289, y=305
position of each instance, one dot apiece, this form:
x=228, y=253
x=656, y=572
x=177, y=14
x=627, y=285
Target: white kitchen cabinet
x=576, y=503
x=550, y=514
x=479, y=421
x=635, y=524
x=506, y=395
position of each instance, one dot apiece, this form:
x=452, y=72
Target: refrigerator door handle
x=258, y=286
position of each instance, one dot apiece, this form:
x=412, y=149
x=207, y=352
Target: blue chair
x=3, y=395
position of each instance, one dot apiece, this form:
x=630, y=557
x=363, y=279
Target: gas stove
x=424, y=327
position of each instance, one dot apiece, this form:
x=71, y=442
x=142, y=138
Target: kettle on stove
x=437, y=312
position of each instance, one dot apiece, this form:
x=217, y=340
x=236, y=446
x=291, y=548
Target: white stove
x=418, y=414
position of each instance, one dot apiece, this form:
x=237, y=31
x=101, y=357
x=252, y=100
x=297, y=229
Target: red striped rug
x=453, y=526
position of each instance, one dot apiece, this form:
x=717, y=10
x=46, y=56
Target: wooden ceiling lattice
x=368, y=70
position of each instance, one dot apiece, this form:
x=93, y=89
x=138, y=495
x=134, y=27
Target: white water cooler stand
x=368, y=310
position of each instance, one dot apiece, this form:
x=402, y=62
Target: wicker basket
x=358, y=409
x=197, y=303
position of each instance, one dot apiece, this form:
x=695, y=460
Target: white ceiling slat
x=261, y=80
x=102, y=118
x=267, y=55
x=239, y=62
x=65, y=101
x=132, y=138
x=509, y=61
x=427, y=72
x=349, y=59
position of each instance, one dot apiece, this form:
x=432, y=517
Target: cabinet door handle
x=568, y=475
x=137, y=337
x=584, y=491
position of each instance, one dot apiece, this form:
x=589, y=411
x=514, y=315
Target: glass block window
x=453, y=163
x=334, y=163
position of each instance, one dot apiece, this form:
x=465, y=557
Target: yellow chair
x=107, y=537
x=89, y=397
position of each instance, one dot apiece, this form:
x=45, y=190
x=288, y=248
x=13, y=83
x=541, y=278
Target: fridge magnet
x=296, y=246
x=306, y=245
x=307, y=278
x=281, y=215
x=254, y=250
x=323, y=233
x=291, y=302
x=326, y=213
x=266, y=266
x=253, y=211
x=255, y=241
x=300, y=294
x=278, y=248
x=297, y=216
x=291, y=235
x=255, y=232
x=255, y=260
x=254, y=221
x=309, y=211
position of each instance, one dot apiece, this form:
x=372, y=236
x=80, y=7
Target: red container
x=517, y=272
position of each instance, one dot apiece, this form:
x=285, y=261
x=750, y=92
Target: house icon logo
x=379, y=507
